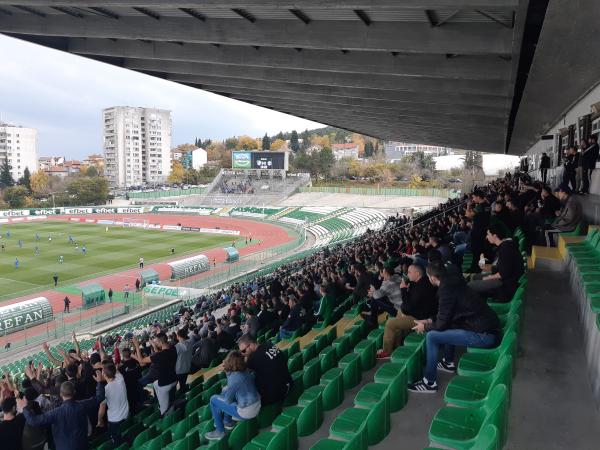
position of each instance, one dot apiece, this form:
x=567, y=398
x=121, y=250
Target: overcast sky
x=62, y=95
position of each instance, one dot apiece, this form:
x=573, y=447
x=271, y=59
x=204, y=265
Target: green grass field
x=112, y=251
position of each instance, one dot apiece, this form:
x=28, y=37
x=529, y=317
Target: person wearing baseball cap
x=568, y=217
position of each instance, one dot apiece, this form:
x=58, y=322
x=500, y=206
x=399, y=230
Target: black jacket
x=459, y=307
x=510, y=266
x=545, y=162
x=419, y=300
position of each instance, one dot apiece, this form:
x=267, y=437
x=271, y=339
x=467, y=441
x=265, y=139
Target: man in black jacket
x=502, y=283
x=419, y=302
x=544, y=166
x=294, y=319
x=463, y=319
x=589, y=157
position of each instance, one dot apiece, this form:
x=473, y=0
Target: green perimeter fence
x=170, y=193
x=80, y=320
x=402, y=192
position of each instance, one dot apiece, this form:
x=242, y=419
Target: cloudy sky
x=61, y=95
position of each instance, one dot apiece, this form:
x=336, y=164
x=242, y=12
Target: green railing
x=402, y=192
x=169, y=193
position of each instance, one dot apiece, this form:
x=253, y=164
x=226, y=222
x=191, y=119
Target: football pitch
x=118, y=249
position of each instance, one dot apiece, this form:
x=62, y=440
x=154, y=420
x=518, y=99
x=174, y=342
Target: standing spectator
x=544, y=166
x=126, y=291
x=55, y=278
x=131, y=371
x=12, y=425
x=239, y=400
x=115, y=402
x=163, y=359
x=67, y=303
x=33, y=437
x=141, y=262
x=269, y=364
x=589, y=156
x=110, y=295
x=570, y=168
x=69, y=421
x=185, y=351
x=137, y=284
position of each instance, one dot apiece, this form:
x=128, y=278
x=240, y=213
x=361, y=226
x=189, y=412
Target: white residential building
x=136, y=145
x=19, y=146
x=199, y=158
x=394, y=151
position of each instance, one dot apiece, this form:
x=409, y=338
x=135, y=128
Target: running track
x=266, y=235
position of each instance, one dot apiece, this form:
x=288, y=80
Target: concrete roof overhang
x=441, y=72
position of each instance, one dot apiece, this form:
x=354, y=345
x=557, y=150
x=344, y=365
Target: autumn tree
x=177, y=173
x=39, y=181
x=25, y=180
x=246, y=143
x=277, y=144
x=16, y=196
x=88, y=191
x=6, y=179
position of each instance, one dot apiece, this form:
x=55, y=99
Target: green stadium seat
x=349, y=421
x=377, y=336
x=293, y=349
x=312, y=372
x=394, y=376
x=410, y=357
x=369, y=397
x=472, y=392
x=267, y=414
x=321, y=342
x=341, y=345
x=169, y=420
x=366, y=349
x=479, y=361
x=308, y=413
x=459, y=428
x=203, y=413
x=295, y=362
x=332, y=387
x=193, y=404
x=350, y=364
x=284, y=436
x=180, y=429
x=201, y=429
x=296, y=389
x=144, y=436
x=243, y=433
x=487, y=439
x=159, y=442
x=190, y=442
x=328, y=359
x=309, y=352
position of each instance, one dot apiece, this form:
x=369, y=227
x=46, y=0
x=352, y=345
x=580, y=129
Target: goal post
x=135, y=222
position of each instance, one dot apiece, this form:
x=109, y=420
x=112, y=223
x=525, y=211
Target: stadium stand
x=331, y=356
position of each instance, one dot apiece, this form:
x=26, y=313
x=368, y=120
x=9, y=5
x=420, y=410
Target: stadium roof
x=443, y=72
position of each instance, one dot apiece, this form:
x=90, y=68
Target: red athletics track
x=265, y=235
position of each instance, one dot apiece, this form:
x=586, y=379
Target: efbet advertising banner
x=241, y=160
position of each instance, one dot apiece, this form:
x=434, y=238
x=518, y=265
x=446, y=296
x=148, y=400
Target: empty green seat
x=295, y=362
x=192, y=405
x=366, y=349
x=180, y=429
x=369, y=397
x=159, y=442
x=346, y=424
x=283, y=436
x=328, y=359
x=293, y=349
x=267, y=414
x=332, y=387
x=409, y=355
x=308, y=413
x=459, y=428
x=472, y=392
x=243, y=433
x=350, y=364
x=341, y=345
x=377, y=336
x=309, y=352
x=296, y=389
x=169, y=420
x=394, y=376
x=312, y=372
x=190, y=442
x=144, y=436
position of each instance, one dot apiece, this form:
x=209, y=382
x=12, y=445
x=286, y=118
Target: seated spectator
x=387, y=298
x=239, y=399
x=436, y=243
x=419, y=302
x=205, y=350
x=463, y=319
x=294, y=319
x=569, y=216
x=115, y=403
x=324, y=311
x=224, y=339
x=269, y=364
x=252, y=325
x=69, y=421
x=502, y=282
x=12, y=425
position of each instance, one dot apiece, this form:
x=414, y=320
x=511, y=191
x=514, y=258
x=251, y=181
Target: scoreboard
x=259, y=160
